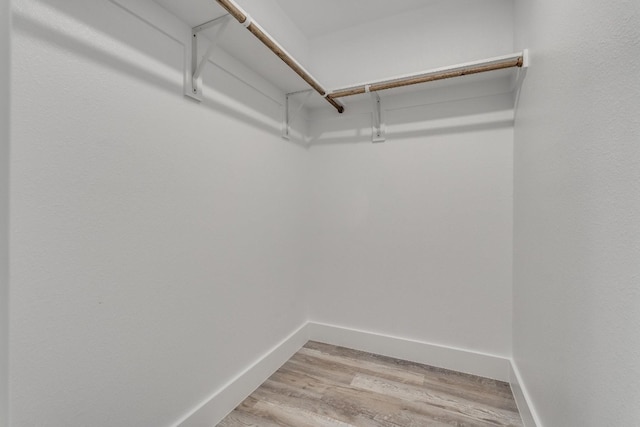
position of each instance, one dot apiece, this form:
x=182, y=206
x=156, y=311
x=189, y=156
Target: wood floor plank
x=391, y=410
x=331, y=374
x=429, y=398
x=361, y=366
x=240, y=418
x=280, y=394
x=329, y=386
x=292, y=383
x=296, y=416
x=339, y=409
x=431, y=373
x=444, y=380
x=409, y=419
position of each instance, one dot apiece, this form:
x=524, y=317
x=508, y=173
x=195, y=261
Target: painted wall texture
x=5, y=26
x=577, y=204
x=159, y=246
x=154, y=240
x=441, y=33
x=412, y=237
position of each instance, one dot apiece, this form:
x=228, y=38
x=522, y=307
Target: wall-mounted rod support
x=196, y=64
x=440, y=74
x=210, y=24
x=243, y=18
x=377, y=131
x=212, y=46
x=290, y=117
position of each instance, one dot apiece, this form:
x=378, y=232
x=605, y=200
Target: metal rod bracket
x=196, y=65
x=378, y=130
x=289, y=116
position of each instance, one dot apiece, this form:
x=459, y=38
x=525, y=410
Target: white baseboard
x=470, y=362
x=223, y=401
x=523, y=399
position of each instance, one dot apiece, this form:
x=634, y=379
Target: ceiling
x=193, y=12
x=313, y=17
x=317, y=18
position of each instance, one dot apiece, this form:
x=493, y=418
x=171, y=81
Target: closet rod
x=243, y=18
x=447, y=73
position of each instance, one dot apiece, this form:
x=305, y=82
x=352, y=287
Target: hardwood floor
x=328, y=386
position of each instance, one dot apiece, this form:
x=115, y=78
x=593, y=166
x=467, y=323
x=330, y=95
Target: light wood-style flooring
x=328, y=386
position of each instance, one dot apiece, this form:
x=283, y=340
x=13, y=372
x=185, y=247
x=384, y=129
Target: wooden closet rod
x=457, y=71
x=243, y=18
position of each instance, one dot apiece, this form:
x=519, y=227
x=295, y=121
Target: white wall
x=154, y=240
x=443, y=33
x=160, y=246
x=412, y=237
x=277, y=23
x=4, y=208
x=577, y=204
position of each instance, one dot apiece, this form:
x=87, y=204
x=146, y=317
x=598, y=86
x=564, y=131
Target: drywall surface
x=577, y=205
x=319, y=18
x=155, y=241
x=440, y=34
x=5, y=25
x=412, y=237
x=274, y=19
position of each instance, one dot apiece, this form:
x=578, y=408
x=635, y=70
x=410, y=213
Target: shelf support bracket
x=378, y=132
x=289, y=116
x=193, y=77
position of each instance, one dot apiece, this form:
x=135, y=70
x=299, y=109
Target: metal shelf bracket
x=378, y=130
x=196, y=65
x=289, y=116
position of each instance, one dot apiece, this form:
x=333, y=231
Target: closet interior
x=318, y=213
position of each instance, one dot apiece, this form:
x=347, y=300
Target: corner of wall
x=217, y=406
x=522, y=398
x=457, y=359
x=5, y=57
